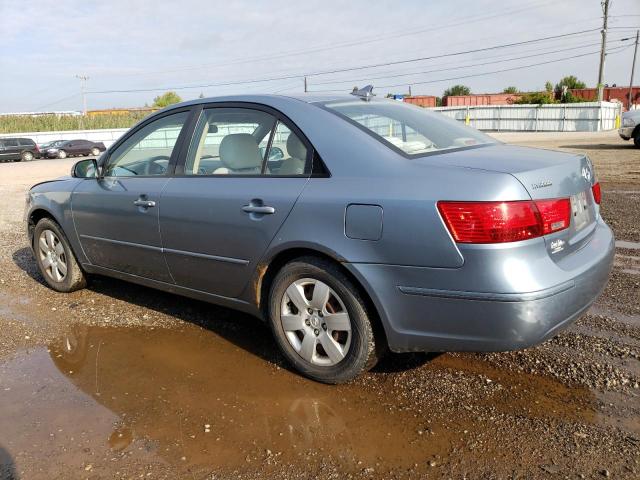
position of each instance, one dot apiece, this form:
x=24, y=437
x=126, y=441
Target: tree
x=570, y=82
x=548, y=87
x=166, y=99
x=510, y=90
x=457, y=90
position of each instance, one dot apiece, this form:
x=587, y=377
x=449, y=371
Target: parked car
x=631, y=127
x=45, y=147
x=75, y=148
x=18, y=149
x=381, y=225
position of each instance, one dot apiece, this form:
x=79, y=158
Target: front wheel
x=320, y=322
x=62, y=154
x=636, y=139
x=56, y=261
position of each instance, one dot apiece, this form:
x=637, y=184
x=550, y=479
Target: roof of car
x=266, y=98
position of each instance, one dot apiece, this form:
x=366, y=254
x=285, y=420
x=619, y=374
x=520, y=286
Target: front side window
x=148, y=150
x=229, y=141
x=412, y=130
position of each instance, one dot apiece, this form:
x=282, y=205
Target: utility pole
x=633, y=67
x=305, y=84
x=605, y=10
x=409, y=90
x=83, y=90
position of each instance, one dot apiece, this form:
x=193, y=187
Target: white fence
x=569, y=117
x=107, y=136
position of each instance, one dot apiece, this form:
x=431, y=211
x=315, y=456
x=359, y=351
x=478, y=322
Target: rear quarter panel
x=413, y=233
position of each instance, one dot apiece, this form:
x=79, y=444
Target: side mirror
x=85, y=169
x=276, y=153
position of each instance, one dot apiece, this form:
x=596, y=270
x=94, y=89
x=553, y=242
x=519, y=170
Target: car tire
x=62, y=154
x=636, y=138
x=351, y=343
x=95, y=151
x=56, y=261
x=26, y=156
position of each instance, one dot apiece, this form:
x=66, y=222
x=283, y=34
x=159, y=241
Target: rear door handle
x=261, y=209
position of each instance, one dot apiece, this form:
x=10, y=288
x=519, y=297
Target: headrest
x=240, y=151
x=295, y=147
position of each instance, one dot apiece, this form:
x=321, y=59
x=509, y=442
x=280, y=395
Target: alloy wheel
x=316, y=322
x=52, y=255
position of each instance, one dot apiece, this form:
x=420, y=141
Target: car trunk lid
x=545, y=174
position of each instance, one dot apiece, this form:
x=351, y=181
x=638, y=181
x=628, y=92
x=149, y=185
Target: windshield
x=414, y=131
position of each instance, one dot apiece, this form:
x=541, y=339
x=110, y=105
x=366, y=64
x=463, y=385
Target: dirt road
x=120, y=381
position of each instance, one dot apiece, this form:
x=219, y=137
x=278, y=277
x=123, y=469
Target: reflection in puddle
x=189, y=394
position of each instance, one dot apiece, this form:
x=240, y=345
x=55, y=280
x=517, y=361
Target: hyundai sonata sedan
x=377, y=226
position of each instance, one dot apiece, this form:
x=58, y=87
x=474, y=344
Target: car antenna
x=365, y=93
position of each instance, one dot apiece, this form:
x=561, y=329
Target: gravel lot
x=120, y=381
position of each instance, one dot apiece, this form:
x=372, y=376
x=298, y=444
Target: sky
x=161, y=45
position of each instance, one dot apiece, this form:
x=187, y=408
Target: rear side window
x=229, y=141
x=288, y=155
x=407, y=129
x=27, y=142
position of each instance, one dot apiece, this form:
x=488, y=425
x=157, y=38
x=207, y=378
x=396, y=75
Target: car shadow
x=7, y=467
x=601, y=146
x=243, y=330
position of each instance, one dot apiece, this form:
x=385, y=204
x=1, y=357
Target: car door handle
x=144, y=203
x=261, y=209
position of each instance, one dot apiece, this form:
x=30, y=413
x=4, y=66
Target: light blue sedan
x=350, y=224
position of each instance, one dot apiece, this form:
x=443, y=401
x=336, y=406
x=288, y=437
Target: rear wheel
x=26, y=156
x=95, y=151
x=62, y=154
x=636, y=138
x=320, y=322
x=56, y=261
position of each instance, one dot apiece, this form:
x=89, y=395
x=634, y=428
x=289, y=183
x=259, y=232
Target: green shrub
x=539, y=98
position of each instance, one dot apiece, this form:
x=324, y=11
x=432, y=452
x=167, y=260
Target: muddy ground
x=120, y=381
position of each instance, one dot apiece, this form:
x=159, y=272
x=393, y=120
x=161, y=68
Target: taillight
x=555, y=214
x=597, y=193
x=499, y=222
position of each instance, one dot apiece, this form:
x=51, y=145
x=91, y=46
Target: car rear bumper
x=626, y=132
x=419, y=315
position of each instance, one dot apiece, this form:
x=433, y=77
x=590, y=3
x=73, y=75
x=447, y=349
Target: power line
x=616, y=50
x=56, y=102
x=350, y=69
x=331, y=82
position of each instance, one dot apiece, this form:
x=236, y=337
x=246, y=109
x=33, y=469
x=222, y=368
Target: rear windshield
x=408, y=129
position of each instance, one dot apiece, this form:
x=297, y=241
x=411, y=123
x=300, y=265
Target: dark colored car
x=18, y=149
x=363, y=225
x=75, y=148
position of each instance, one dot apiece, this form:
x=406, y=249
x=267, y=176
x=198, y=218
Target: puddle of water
x=628, y=245
x=190, y=393
x=8, y=304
